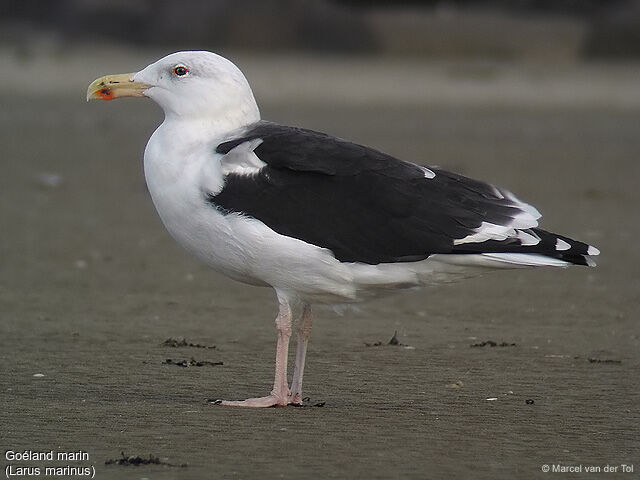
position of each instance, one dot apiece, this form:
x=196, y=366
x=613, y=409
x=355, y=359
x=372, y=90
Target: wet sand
x=91, y=286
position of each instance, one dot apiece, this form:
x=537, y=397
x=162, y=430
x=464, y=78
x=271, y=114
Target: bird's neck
x=214, y=125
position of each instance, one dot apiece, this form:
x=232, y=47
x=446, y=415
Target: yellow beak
x=115, y=86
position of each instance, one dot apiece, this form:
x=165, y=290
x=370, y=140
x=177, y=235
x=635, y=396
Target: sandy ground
x=91, y=285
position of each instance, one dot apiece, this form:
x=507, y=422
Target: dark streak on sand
x=603, y=360
x=394, y=342
x=190, y=363
x=128, y=460
x=182, y=342
x=491, y=343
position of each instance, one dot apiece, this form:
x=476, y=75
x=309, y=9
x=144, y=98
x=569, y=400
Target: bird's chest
x=178, y=182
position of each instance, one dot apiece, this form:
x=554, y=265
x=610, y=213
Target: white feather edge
x=527, y=218
x=241, y=159
x=428, y=173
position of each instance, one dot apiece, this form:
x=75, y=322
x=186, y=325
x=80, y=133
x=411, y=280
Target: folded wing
x=369, y=207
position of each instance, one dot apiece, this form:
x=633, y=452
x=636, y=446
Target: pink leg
x=304, y=331
x=279, y=396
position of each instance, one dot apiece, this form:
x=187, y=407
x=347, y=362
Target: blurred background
x=506, y=29
x=538, y=96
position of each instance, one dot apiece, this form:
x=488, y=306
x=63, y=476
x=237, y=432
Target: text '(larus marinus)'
x=317, y=218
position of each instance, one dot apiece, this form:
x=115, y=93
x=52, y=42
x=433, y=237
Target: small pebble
x=80, y=264
x=529, y=401
x=51, y=180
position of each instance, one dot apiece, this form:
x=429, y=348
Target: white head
x=192, y=85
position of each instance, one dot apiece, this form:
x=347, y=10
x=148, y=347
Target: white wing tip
x=592, y=250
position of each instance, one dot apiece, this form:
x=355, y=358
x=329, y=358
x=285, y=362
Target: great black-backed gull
x=318, y=218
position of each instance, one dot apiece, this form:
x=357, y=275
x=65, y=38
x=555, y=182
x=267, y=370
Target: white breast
x=175, y=172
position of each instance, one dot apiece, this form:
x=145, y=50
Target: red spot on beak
x=106, y=94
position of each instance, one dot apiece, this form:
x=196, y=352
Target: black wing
x=364, y=205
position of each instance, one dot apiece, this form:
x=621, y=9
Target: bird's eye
x=180, y=70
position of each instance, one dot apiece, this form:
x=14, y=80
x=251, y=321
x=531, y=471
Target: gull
x=319, y=219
